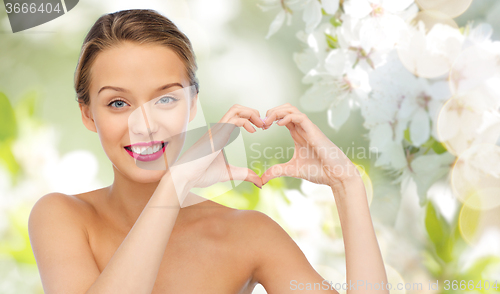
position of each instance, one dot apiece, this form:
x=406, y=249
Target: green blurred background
x=45, y=147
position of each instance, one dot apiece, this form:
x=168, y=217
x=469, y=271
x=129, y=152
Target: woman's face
x=139, y=108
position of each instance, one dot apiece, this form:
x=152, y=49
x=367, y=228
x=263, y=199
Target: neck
x=128, y=198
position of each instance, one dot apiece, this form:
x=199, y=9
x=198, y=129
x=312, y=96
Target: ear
x=194, y=107
x=87, y=119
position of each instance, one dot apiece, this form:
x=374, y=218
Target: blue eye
x=164, y=100
x=117, y=104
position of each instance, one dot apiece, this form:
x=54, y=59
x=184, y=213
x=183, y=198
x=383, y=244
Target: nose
x=142, y=123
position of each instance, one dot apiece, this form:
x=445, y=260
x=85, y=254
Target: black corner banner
x=25, y=14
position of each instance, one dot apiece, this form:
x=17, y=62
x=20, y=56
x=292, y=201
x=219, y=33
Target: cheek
x=175, y=121
x=180, y=119
x=111, y=129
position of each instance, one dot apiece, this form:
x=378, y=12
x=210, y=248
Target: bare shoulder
x=255, y=240
x=60, y=205
x=276, y=258
x=250, y=234
x=55, y=208
x=57, y=234
x=241, y=224
x=258, y=233
x=54, y=204
x=254, y=219
x=258, y=228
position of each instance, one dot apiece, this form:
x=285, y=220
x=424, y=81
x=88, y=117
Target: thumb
x=242, y=174
x=278, y=170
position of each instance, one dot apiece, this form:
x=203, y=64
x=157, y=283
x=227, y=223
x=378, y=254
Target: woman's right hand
x=203, y=164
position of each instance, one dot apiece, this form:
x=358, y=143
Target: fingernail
x=264, y=122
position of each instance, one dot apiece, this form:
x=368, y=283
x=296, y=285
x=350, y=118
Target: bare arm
x=364, y=262
x=135, y=264
x=284, y=268
x=281, y=267
x=65, y=260
x=320, y=161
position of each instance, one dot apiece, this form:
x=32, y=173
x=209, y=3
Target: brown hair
x=142, y=26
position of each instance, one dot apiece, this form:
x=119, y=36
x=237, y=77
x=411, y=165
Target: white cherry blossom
x=470, y=119
x=425, y=170
x=380, y=25
x=430, y=55
x=311, y=12
x=422, y=109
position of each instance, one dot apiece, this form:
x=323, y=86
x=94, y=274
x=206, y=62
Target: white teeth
x=145, y=150
x=138, y=149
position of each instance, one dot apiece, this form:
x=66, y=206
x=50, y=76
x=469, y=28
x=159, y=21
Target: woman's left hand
x=315, y=158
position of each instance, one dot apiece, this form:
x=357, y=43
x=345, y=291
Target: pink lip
x=148, y=157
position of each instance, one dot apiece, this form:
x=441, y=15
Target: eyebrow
x=118, y=89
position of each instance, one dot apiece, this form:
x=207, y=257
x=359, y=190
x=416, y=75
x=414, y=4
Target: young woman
x=147, y=233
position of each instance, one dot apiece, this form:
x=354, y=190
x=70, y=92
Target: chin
x=142, y=176
x=131, y=171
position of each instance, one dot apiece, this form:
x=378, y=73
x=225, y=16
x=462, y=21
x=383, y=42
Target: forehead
x=136, y=67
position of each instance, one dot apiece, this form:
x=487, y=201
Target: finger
x=249, y=127
x=305, y=130
x=255, y=117
x=219, y=133
x=298, y=129
x=243, y=174
x=252, y=115
x=279, y=170
x=297, y=134
x=279, y=113
x=286, y=105
x=296, y=118
x=269, y=120
x=243, y=112
x=241, y=122
x=248, y=108
x=300, y=120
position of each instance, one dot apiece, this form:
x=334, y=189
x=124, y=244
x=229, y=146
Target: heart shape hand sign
x=158, y=133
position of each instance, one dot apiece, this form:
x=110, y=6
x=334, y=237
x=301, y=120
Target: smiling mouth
x=146, y=151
